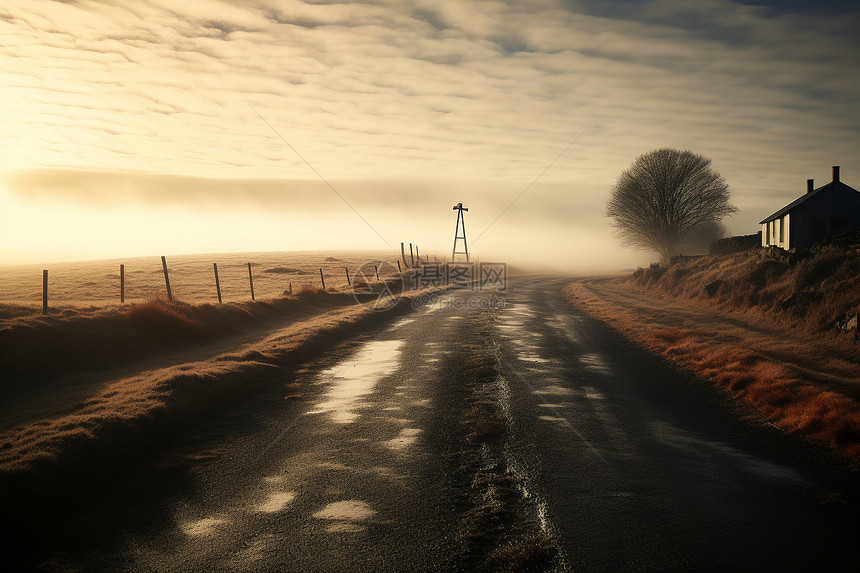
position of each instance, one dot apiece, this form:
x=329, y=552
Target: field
x=192, y=279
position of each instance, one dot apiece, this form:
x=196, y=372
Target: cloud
x=428, y=95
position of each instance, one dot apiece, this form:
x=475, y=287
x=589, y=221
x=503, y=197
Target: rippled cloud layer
x=425, y=95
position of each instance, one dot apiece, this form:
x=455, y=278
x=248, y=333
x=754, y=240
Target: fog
x=101, y=215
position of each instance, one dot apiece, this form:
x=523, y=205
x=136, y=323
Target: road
x=458, y=432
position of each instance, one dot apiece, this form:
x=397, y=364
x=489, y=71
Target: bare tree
x=701, y=239
x=667, y=198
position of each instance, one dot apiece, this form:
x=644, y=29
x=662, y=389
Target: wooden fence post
x=376, y=270
x=402, y=255
x=399, y=270
x=417, y=256
x=166, y=278
x=217, y=282
x=322, y=279
x=411, y=256
x=122, y=284
x=291, y=288
x=348, y=282
x=45, y=291
x=251, y=281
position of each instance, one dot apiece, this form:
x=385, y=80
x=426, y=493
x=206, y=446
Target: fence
x=135, y=280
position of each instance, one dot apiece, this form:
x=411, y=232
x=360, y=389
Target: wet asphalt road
x=346, y=466
x=642, y=468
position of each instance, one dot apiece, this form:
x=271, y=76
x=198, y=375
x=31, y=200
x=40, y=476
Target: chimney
x=810, y=185
x=836, y=174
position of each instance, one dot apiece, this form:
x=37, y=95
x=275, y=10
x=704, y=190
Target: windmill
x=461, y=224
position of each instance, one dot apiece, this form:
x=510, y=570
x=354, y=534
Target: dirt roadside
x=800, y=382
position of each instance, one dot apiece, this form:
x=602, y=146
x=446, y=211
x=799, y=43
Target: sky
x=159, y=127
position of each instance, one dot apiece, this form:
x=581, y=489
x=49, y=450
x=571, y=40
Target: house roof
x=833, y=185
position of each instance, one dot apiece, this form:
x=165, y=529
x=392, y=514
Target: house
x=829, y=210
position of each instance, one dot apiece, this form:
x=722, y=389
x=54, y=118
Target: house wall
x=826, y=214
x=776, y=233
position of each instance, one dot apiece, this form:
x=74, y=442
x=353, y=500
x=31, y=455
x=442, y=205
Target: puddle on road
x=560, y=323
x=404, y=439
x=595, y=363
x=333, y=466
x=345, y=514
x=205, y=526
x=431, y=354
x=514, y=317
x=528, y=350
x=527, y=344
x=520, y=309
x=275, y=502
x=529, y=357
x=554, y=390
x=385, y=473
x=350, y=509
x=356, y=377
x=402, y=322
x=593, y=394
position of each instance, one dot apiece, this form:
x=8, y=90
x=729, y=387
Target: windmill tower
x=461, y=224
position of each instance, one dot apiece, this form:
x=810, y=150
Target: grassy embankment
x=36, y=349
x=219, y=354
x=765, y=330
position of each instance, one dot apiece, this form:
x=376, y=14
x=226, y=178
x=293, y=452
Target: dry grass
x=8, y=311
x=810, y=288
x=308, y=290
x=772, y=388
x=36, y=349
x=155, y=319
x=533, y=553
x=794, y=373
x=170, y=395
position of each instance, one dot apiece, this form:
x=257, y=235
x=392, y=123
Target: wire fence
x=196, y=279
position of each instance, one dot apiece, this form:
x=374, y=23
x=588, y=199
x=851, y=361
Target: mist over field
x=549, y=229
